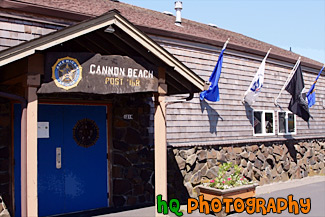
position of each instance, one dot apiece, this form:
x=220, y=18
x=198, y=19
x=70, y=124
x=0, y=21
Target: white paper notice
x=43, y=130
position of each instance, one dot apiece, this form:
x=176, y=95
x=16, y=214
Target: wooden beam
x=15, y=80
x=32, y=197
x=36, y=64
x=173, y=84
x=161, y=75
x=162, y=86
x=82, y=42
x=33, y=81
x=152, y=58
x=15, y=73
x=160, y=151
x=95, y=41
x=160, y=141
x=116, y=44
x=182, y=81
x=121, y=35
x=13, y=70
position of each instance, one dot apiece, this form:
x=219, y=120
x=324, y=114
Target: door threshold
x=102, y=211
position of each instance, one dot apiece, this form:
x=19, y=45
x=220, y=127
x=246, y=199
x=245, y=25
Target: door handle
x=58, y=157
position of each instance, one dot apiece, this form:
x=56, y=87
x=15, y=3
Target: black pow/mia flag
x=298, y=103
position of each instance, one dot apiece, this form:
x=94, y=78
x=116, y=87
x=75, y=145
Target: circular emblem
x=66, y=73
x=85, y=132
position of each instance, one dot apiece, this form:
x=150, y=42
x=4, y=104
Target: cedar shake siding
x=16, y=29
x=229, y=120
x=200, y=134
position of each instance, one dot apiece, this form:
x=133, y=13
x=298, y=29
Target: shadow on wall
x=289, y=144
x=249, y=112
x=175, y=188
x=291, y=148
x=132, y=156
x=5, y=152
x=213, y=116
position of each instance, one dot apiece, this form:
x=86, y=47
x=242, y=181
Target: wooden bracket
x=34, y=80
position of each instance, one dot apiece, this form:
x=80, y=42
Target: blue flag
x=311, y=95
x=212, y=94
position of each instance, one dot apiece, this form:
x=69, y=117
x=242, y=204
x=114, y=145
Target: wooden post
x=35, y=69
x=23, y=162
x=160, y=141
x=160, y=151
x=32, y=198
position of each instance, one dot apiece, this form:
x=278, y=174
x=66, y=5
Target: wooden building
x=132, y=77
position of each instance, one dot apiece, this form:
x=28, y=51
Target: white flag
x=256, y=84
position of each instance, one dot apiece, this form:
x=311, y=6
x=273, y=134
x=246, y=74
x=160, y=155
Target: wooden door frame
x=109, y=141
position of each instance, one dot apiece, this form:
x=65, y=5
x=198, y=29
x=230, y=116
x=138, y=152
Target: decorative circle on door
x=85, y=132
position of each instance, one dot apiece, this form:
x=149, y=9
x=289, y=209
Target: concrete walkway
x=260, y=191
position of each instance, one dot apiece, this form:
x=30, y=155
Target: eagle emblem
x=66, y=73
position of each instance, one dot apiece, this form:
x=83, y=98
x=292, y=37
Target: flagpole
x=267, y=54
x=226, y=43
x=224, y=47
x=212, y=94
x=287, y=81
x=320, y=72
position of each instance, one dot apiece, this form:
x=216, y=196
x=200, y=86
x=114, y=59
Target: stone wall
x=132, y=151
x=5, y=150
x=262, y=163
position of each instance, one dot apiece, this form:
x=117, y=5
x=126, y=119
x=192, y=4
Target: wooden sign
x=89, y=73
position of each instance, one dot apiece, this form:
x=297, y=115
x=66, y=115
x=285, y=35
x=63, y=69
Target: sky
x=295, y=24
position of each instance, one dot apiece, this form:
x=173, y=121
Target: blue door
x=72, y=159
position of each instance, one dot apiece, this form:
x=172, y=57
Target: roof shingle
x=156, y=22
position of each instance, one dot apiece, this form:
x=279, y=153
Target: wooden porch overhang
x=108, y=34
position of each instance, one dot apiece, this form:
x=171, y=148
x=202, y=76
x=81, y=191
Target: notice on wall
x=43, y=130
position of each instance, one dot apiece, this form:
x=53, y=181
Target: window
x=263, y=122
x=287, y=123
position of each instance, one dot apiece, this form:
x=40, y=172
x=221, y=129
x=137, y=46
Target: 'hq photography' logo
x=66, y=73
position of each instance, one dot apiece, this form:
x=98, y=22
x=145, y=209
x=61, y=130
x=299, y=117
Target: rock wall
x=263, y=163
x=132, y=152
x=5, y=149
